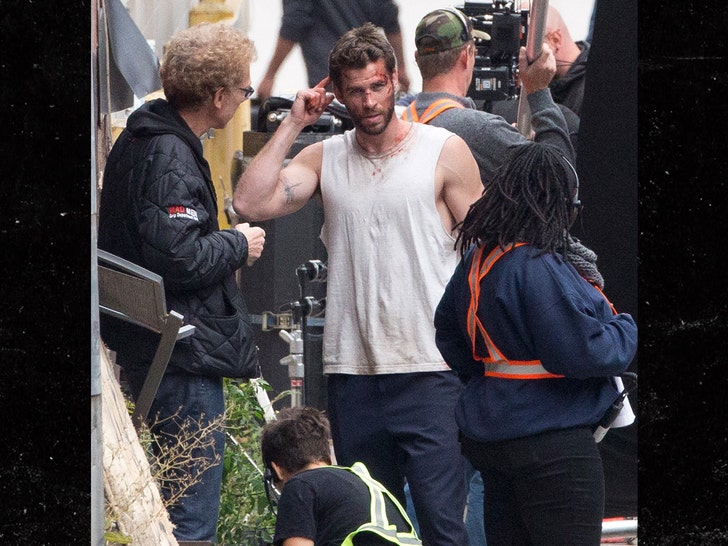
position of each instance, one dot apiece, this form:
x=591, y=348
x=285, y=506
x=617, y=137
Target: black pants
x=542, y=489
x=403, y=426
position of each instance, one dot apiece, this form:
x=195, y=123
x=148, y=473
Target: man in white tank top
x=393, y=193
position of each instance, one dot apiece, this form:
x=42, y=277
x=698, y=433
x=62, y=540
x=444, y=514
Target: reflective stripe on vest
x=496, y=365
x=379, y=523
x=431, y=112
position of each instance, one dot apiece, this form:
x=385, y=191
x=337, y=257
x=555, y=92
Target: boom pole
x=534, y=43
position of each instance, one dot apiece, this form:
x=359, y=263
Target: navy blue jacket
x=158, y=209
x=534, y=308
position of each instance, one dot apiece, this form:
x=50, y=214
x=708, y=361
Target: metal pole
x=619, y=527
x=97, y=474
x=294, y=360
x=534, y=43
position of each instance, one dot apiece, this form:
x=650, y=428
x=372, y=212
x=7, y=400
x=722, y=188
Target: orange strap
x=611, y=305
x=496, y=365
x=431, y=112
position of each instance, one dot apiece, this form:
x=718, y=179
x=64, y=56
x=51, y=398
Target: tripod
x=301, y=310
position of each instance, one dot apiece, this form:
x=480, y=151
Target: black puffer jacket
x=158, y=210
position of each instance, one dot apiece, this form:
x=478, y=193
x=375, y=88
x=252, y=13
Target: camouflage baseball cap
x=441, y=30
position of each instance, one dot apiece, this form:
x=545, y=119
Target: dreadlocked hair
x=528, y=200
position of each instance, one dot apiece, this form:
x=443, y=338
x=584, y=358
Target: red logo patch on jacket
x=180, y=211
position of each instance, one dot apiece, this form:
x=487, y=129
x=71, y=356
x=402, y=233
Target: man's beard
x=376, y=130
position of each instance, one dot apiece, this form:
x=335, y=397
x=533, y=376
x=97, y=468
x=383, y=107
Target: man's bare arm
x=298, y=541
x=266, y=189
x=461, y=184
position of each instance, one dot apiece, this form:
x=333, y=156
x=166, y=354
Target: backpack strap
x=431, y=112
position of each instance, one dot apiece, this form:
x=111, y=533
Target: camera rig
x=496, y=57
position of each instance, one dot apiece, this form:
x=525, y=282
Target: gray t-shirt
x=490, y=137
x=316, y=25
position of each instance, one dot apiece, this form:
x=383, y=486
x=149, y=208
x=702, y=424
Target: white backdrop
x=159, y=19
x=265, y=20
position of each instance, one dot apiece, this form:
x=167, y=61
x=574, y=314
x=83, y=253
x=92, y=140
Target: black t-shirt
x=326, y=504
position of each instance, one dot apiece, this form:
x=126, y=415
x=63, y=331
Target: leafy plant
x=246, y=518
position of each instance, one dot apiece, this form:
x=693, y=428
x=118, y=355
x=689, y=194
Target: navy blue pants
x=542, y=489
x=189, y=401
x=403, y=426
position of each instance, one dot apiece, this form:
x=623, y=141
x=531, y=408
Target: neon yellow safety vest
x=379, y=524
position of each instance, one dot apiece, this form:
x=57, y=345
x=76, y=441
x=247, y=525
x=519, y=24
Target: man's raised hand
x=309, y=104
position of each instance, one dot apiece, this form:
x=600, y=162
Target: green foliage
x=112, y=535
x=246, y=518
x=113, y=538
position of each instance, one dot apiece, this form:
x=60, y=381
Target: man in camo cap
x=445, y=29
x=445, y=56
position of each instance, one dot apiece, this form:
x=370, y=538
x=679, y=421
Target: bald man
x=567, y=87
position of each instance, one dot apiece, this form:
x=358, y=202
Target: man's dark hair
x=530, y=199
x=359, y=47
x=299, y=436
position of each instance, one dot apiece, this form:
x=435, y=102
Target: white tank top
x=389, y=256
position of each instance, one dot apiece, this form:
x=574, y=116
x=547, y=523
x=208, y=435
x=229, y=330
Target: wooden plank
x=130, y=489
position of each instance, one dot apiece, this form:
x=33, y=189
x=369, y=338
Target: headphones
x=271, y=491
x=575, y=203
x=466, y=35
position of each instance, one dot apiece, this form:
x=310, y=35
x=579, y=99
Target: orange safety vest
x=496, y=365
x=431, y=112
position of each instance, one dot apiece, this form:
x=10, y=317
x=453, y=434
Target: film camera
x=502, y=31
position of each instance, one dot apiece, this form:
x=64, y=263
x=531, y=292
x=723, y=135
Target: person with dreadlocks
x=524, y=322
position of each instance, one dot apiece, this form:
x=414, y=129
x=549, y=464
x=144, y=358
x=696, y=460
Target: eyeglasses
x=271, y=491
x=247, y=91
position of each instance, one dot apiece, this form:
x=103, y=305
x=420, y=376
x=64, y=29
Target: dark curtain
x=607, y=165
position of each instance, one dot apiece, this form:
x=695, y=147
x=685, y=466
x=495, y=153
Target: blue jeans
x=541, y=489
x=196, y=399
x=474, y=515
